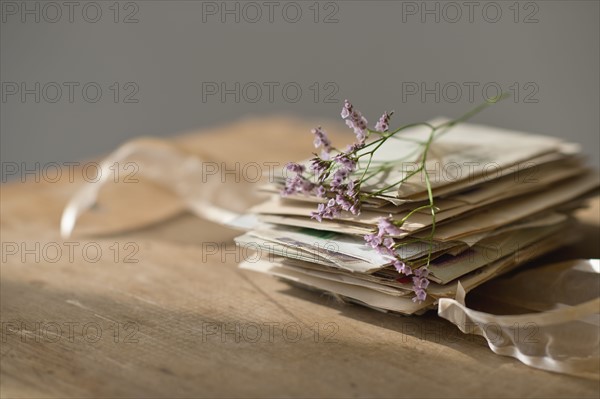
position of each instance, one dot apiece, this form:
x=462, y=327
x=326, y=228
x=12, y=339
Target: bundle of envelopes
x=501, y=199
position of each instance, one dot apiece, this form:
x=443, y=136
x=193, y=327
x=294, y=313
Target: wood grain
x=164, y=326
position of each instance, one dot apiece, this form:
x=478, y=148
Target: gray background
x=370, y=55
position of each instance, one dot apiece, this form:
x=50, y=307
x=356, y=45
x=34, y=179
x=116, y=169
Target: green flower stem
x=362, y=178
x=447, y=125
x=411, y=174
x=430, y=195
x=405, y=218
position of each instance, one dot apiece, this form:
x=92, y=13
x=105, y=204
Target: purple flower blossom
x=402, y=267
x=420, y=295
x=389, y=242
x=343, y=202
x=347, y=195
x=355, y=121
x=383, y=124
x=321, y=139
x=380, y=244
x=384, y=245
x=321, y=192
x=373, y=240
x=351, y=148
x=338, y=178
x=353, y=189
x=406, y=270
x=387, y=226
x=320, y=168
x=296, y=168
x=326, y=211
x=297, y=185
x=318, y=214
x=422, y=272
x=420, y=284
x=383, y=250
x=347, y=109
x=345, y=162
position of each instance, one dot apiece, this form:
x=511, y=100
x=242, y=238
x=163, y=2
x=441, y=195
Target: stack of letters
x=501, y=198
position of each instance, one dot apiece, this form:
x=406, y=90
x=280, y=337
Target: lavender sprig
x=334, y=178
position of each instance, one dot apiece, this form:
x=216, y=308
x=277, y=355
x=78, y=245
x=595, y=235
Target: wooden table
x=184, y=321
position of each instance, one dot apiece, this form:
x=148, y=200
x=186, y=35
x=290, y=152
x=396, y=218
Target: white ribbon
x=162, y=163
x=565, y=339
